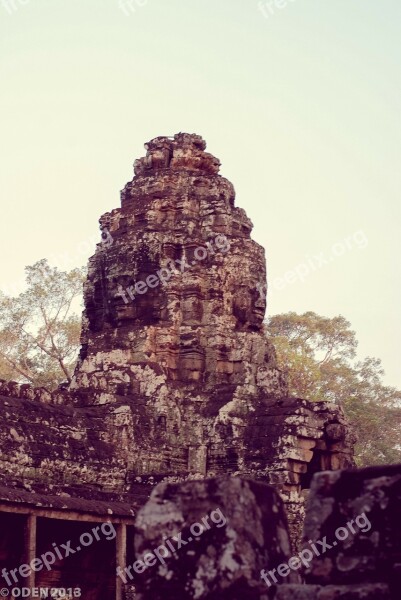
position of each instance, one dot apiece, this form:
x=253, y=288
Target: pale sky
x=300, y=103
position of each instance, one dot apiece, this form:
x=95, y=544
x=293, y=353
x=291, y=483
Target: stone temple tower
x=173, y=329
x=176, y=378
x=172, y=299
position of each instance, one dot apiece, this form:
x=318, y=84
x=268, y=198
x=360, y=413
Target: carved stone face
x=259, y=305
x=248, y=308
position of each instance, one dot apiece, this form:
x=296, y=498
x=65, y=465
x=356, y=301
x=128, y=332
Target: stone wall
x=121, y=447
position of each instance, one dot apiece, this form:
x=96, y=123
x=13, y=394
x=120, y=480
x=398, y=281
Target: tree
x=40, y=329
x=318, y=355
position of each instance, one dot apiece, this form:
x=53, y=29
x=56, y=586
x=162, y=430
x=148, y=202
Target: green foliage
x=318, y=353
x=39, y=329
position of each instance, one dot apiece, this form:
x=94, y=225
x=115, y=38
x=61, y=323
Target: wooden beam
x=121, y=558
x=67, y=515
x=30, y=547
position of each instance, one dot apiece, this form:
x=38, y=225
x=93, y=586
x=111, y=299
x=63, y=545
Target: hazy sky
x=300, y=103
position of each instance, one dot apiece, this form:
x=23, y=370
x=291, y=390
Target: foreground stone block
x=246, y=531
x=358, y=514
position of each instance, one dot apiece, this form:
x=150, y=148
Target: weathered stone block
x=358, y=513
x=246, y=532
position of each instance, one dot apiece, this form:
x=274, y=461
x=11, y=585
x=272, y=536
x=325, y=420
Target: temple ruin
x=176, y=380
